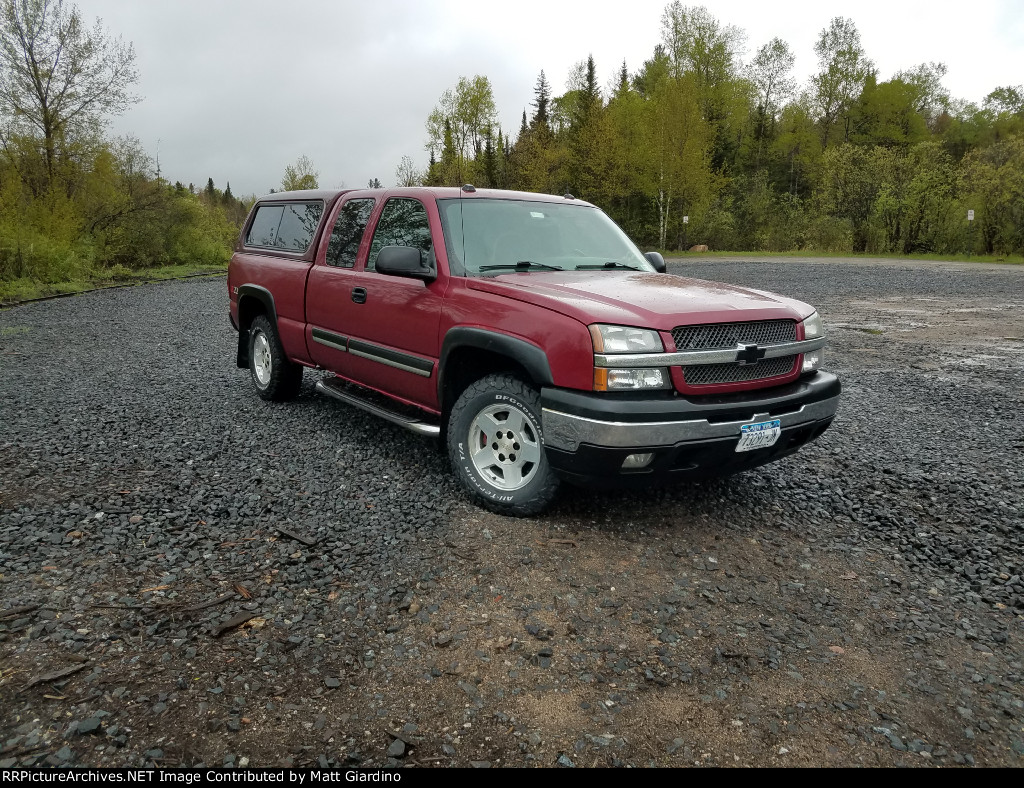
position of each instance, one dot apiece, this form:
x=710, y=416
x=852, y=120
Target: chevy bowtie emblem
x=748, y=355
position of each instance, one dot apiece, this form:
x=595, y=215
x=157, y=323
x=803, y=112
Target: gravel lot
x=861, y=603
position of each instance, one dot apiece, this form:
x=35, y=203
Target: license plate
x=759, y=436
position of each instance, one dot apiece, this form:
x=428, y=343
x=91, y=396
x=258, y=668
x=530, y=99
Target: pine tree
x=229, y=198
x=623, y=80
x=523, y=127
x=451, y=171
x=591, y=92
x=541, y=103
x=211, y=191
x=500, y=160
x=490, y=163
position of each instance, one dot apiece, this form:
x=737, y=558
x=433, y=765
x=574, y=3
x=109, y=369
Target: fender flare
x=266, y=298
x=262, y=295
x=533, y=359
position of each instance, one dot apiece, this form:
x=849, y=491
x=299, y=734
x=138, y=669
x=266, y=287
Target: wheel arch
x=468, y=354
x=253, y=300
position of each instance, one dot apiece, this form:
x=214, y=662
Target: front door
x=390, y=323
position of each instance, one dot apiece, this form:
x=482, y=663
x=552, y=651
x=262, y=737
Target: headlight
x=631, y=379
x=620, y=339
x=813, y=327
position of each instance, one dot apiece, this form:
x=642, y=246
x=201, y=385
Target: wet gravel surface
x=190, y=575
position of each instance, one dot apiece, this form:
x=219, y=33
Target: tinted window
x=348, y=233
x=298, y=224
x=263, y=231
x=403, y=222
x=289, y=227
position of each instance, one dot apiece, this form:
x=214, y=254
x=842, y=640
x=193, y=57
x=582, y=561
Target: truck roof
x=438, y=192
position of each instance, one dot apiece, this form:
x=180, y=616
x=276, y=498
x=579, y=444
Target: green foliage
x=843, y=69
x=301, y=175
x=75, y=207
x=457, y=128
x=59, y=80
x=993, y=185
x=106, y=215
x=851, y=162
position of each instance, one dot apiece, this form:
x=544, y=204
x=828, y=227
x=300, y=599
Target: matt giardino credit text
x=191, y=776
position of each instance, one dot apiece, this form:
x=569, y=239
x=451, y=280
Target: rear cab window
x=286, y=227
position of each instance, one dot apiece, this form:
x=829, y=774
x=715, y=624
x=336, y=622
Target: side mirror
x=655, y=259
x=404, y=261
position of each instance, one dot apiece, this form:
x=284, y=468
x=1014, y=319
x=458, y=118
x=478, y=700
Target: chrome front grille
x=728, y=335
x=713, y=374
x=723, y=336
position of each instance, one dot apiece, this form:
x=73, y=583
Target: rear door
x=330, y=308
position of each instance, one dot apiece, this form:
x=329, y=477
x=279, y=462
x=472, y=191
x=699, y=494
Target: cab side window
x=288, y=226
x=348, y=233
x=403, y=222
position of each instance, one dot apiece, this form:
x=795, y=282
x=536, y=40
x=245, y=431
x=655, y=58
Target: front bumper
x=589, y=436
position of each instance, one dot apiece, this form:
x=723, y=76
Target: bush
x=829, y=234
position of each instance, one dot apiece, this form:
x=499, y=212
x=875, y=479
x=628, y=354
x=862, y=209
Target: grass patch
x=16, y=290
x=940, y=258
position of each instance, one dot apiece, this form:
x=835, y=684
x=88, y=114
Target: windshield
x=486, y=236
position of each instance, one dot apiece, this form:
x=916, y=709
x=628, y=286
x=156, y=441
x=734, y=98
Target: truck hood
x=645, y=300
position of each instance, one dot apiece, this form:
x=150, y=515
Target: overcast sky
x=237, y=89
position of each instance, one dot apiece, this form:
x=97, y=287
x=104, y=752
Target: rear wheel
x=276, y=378
x=497, y=448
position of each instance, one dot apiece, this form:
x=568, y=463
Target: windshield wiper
x=608, y=265
x=522, y=265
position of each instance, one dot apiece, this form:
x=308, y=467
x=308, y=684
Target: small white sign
x=686, y=220
x=970, y=216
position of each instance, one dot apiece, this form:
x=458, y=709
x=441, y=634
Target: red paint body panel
x=564, y=339
x=641, y=299
x=285, y=278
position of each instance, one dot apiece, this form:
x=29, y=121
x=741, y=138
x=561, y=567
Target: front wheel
x=497, y=448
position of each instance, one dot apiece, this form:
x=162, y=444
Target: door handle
x=359, y=295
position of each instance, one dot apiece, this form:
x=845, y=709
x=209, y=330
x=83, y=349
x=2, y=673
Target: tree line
x=698, y=146
x=74, y=203
x=695, y=146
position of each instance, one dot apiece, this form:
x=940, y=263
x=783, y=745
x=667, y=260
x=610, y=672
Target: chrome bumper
x=567, y=432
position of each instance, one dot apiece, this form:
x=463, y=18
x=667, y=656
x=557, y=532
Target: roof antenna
x=569, y=197
x=468, y=187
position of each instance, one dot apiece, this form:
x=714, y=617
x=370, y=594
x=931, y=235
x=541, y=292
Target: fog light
x=812, y=361
x=637, y=462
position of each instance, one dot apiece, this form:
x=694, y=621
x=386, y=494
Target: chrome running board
x=333, y=388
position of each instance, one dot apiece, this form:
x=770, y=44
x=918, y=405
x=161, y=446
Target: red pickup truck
x=528, y=333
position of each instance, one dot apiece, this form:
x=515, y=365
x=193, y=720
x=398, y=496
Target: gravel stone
x=143, y=485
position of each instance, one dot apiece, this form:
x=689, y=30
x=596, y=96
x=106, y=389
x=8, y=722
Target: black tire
x=519, y=485
x=276, y=378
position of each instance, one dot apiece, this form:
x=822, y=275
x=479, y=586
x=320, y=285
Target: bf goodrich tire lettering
x=496, y=446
